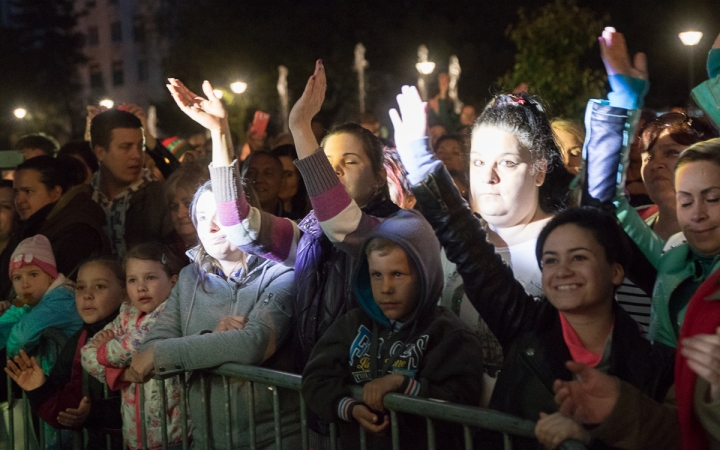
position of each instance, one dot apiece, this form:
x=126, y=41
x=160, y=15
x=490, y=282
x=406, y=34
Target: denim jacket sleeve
x=490, y=284
x=606, y=152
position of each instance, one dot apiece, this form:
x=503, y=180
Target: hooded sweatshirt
x=436, y=354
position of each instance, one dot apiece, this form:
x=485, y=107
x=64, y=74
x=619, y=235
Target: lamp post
x=20, y=113
x=360, y=65
x=282, y=88
x=691, y=39
x=424, y=67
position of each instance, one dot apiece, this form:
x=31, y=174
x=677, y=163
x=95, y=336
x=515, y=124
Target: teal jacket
x=20, y=328
x=707, y=94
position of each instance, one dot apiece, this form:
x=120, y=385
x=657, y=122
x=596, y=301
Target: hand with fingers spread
x=302, y=113
x=703, y=357
x=616, y=58
x=553, y=429
x=589, y=400
x=135, y=110
x=231, y=323
x=375, y=390
x=75, y=417
x=369, y=420
x=102, y=337
x=25, y=372
x=208, y=112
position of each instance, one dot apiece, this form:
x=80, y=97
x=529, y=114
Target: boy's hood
x=415, y=235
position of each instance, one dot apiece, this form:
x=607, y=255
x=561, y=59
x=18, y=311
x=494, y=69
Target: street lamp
x=20, y=113
x=238, y=87
x=424, y=67
x=107, y=103
x=691, y=39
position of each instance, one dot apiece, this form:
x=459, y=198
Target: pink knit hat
x=36, y=251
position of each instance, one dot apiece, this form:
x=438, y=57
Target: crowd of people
x=558, y=273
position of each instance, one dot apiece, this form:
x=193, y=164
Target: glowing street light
x=238, y=87
x=218, y=93
x=20, y=113
x=690, y=39
x=425, y=68
x=107, y=103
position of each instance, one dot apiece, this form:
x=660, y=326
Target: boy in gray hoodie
x=421, y=349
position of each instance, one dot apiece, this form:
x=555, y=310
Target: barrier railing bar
x=430, y=433
x=108, y=441
x=228, y=424
x=184, y=410
x=205, y=410
x=163, y=416
x=143, y=430
x=507, y=442
x=363, y=438
x=467, y=437
x=333, y=436
x=395, y=431
x=276, y=416
x=11, y=414
x=303, y=423
x=251, y=416
x=27, y=421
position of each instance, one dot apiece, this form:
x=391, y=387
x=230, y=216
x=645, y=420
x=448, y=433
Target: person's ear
x=55, y=193
x=540, y=172
x=618, y=274
x=99, y=152
x=381, y=178
x=174, y=280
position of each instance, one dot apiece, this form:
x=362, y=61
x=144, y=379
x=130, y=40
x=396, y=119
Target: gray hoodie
x=184, y=341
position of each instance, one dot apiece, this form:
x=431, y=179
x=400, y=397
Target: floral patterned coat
x=108, y=361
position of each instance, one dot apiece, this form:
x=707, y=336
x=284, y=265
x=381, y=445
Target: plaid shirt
x=116, y=209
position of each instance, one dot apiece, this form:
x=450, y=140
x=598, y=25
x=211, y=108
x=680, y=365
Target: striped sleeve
x=253, y=231
x=413, y=387
x=340, y=217
x=345, y=407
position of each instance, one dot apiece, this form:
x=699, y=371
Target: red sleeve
x=102, y=356
x=113, y=376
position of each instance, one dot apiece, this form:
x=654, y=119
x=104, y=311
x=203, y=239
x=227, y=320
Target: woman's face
x=180, y=213
x=353, y=166
x=31, y=194
x=658, y=168
x=291, y=178
x=571, y=148
x=450, y=152
x=211, y=234
x=576, y=276
x=504, y=186
x=698, y=205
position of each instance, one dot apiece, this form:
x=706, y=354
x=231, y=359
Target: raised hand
x=375, y=390
x=208, y=112
x=616, y=58
x=311, y=100
x=443, y=84
x=703, y=357
x=102, y=337
x=413, y=124
x=75, y=417
x=231, y=323
x=369, y=420
x=25, y=372
x=552, y=429
x=590, y=399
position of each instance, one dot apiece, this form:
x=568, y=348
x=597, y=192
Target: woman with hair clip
x=347, y=185
x=581, y=256
x=226, y=300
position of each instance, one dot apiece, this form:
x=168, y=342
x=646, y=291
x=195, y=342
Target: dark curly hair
x=523, y=116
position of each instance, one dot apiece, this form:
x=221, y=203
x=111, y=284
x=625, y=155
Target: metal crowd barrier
x=468, y=417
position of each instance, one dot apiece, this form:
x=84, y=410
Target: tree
x=43, y=51
x=552, y=46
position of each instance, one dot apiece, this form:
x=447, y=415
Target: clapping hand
x=208, y=112
x=703, y=357
x=591, y=398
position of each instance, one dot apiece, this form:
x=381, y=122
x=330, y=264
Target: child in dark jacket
x=423, y=350
x=58, y=398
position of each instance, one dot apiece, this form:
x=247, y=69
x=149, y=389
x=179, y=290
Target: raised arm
x=254, y=231
x=707, y=93
x=490, y=284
